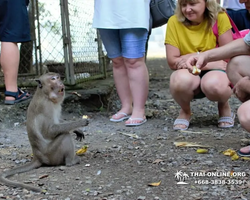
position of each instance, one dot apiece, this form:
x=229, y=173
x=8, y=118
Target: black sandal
x=19, y=96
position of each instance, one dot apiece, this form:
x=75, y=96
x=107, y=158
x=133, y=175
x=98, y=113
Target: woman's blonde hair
x=211, y=12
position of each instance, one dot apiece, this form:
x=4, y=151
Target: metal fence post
x=37, y=39
x=102, y=60
x=67, y=47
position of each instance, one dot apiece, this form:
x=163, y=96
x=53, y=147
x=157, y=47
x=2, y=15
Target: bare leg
x=244, y=115
x=183, y=87
x=215, y=85
x=122, y=85
x=237, y=68
x=138, y=83
x=10, y=64
x=244, y=118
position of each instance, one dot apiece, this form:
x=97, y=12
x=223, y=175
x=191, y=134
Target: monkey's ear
x=39, y=83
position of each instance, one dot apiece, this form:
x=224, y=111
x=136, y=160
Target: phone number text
x=220, y=182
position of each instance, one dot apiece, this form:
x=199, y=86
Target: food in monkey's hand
x=196, y=71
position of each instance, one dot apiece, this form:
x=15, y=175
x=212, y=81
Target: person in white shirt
x=124, y=28
x=238, y=12
x=238, y=71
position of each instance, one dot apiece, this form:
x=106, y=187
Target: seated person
x=189, y=32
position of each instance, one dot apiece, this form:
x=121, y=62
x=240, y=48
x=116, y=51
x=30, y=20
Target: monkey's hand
x=79, y=135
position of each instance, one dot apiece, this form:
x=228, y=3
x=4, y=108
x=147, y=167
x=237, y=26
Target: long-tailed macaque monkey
x=50, y=140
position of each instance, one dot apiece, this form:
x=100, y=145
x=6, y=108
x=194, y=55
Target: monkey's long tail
x=27, y=167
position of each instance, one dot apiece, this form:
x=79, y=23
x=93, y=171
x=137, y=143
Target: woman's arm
x=234, y=48
x=225, y=38
x=175, y=59
x=172, y=55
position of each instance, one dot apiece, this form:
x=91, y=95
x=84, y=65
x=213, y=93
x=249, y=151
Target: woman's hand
x=181, y=63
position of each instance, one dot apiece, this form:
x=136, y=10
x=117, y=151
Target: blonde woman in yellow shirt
x=189, y=32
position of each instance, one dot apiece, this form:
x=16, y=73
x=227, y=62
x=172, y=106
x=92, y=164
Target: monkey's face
x=57, y=89
x=54, y=88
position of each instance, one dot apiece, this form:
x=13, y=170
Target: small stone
x=88, y=181
x=58, y=187
x=165, y=129
x=141, y=198
x=62, y=168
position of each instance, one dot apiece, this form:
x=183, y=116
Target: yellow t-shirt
x=190, y=39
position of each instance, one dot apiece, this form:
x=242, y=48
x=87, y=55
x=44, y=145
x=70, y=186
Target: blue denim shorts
x=14, y=21
x=127, y=43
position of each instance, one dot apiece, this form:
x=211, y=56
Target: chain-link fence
x=63, y=41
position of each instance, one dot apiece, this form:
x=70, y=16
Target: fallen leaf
x=85, y=117
x=189, y=144
x=184, y=131
x=232, y=153
x=43, y=176
x=229, y=152
x=243, y=197
x=202, y=150
x=155, y=184
x=44, y=191
x=157, y=161
x=244, y=158
x=235, y=157
x=82, y=150
x=130, y=135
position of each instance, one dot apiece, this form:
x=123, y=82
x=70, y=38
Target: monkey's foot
x=18, y=96
x=75, y=161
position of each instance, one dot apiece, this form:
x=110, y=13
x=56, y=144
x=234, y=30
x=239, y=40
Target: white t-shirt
x=119, y=14
x=233, y=4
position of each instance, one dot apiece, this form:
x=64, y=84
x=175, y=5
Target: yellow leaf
x=232, y=153
x=229, y=152
x=155, y=184
x=189, y=144
x=44, y=191
x=245, y=158
x=85, y=117
x=235, y=157
x=82, y=150
x=202, y=150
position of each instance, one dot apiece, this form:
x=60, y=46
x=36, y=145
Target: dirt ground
x=121, y=166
